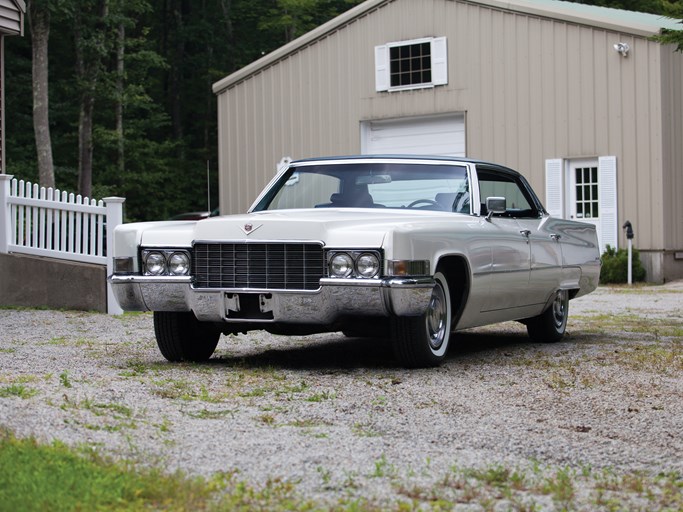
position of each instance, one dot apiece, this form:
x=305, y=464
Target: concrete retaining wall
x=45, y=282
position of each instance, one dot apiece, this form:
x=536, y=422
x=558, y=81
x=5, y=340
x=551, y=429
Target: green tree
x=39, y=23
x=674, y=10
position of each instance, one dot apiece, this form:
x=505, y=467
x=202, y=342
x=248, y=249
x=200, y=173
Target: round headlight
x=367, y=265
x=155, y=263
x=179, y=264
x=341, y=265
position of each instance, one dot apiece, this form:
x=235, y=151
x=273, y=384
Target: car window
x=303, y=189
x=498, y=184
x=436, y=187
x=442, y=191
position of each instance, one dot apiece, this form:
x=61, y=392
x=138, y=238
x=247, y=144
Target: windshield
x=371, y=185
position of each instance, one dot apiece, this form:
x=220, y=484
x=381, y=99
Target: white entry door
x=442, y=135
x=584, y=192
x=585, y=189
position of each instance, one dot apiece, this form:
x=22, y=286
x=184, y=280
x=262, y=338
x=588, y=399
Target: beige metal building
x=576, y=97
x=11, y=23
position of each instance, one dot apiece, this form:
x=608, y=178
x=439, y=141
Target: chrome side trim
x=128, y=278
x=255, y=241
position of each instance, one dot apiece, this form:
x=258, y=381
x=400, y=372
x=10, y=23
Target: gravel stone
x=337, y=417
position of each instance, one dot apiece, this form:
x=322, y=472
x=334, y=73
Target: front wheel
x=181, y=337
x=550, y=325
x=422, y=341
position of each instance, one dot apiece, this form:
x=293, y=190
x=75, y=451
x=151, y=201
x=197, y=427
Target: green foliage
x=675, y=10
x=293, y=18
x=17, y=390
x=667, y=7
x=672, y=37
x=36, y=477
x=174, y=51
x=615, y=266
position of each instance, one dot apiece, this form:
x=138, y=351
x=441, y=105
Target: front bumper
x=336, y=298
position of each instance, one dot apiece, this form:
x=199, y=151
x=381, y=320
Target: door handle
x=525, y=232
x=556, y=237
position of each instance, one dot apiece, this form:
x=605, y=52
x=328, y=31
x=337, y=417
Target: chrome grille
x=265, y=266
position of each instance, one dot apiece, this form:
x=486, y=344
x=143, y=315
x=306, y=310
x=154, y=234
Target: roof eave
x=567, y=13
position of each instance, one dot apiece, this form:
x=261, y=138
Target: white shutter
x=382, y=68
x=607, y=195
x=554, y=193
x=439, y=61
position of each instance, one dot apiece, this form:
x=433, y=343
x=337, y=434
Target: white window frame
x=439, y=64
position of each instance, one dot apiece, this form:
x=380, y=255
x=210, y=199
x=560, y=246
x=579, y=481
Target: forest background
x=113, y=97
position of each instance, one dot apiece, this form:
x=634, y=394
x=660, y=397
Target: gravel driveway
x=339, y=420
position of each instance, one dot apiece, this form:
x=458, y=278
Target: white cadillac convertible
x=409, y=248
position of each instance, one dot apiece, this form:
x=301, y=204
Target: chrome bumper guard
x=401, y=296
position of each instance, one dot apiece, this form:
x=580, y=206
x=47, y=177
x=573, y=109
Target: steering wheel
x=430, y=202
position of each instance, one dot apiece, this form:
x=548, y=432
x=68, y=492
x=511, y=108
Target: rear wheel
x=423, y=341
x=551, y=325
x=181, y=337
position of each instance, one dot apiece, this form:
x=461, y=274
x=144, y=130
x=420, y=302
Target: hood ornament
x=249, y=228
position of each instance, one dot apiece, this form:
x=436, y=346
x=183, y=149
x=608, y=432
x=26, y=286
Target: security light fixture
x=622, y=49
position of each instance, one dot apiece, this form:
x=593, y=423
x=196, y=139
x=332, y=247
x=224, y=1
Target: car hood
x=348, y=227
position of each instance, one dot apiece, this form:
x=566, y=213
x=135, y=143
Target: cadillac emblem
x=249, y=228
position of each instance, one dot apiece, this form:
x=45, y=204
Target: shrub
x=615, y=266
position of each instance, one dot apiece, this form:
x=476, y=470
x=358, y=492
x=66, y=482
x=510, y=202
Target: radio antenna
x=208, y=187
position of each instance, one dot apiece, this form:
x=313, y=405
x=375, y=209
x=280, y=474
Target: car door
x=546, y=258
x=510, y=249
x=544, y=243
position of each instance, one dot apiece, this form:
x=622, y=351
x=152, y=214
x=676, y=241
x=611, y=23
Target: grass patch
x=54, y=477
x=321, y=396
x=65, y=380
x=641, y=289
x=36, y=477
x=17, y=390
x=308, y=423
x=633, y=323
x=205, y=414
x=185, y=390
x=365, y=430
x=29, y=308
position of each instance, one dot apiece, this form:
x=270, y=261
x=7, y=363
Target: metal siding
x=535, y=97
x=601, y=91
x=533, y=88
x=10, y=17
x=672, y=155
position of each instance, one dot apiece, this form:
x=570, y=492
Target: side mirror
x=497, y=205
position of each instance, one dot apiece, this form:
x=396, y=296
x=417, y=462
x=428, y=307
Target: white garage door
x=434, y=135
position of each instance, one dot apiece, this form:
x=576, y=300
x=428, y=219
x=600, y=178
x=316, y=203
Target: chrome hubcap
x=436, y=318
x=559, y=308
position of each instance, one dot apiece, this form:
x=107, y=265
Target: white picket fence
x=55, y=224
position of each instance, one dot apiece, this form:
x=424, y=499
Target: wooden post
x=5, y=213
